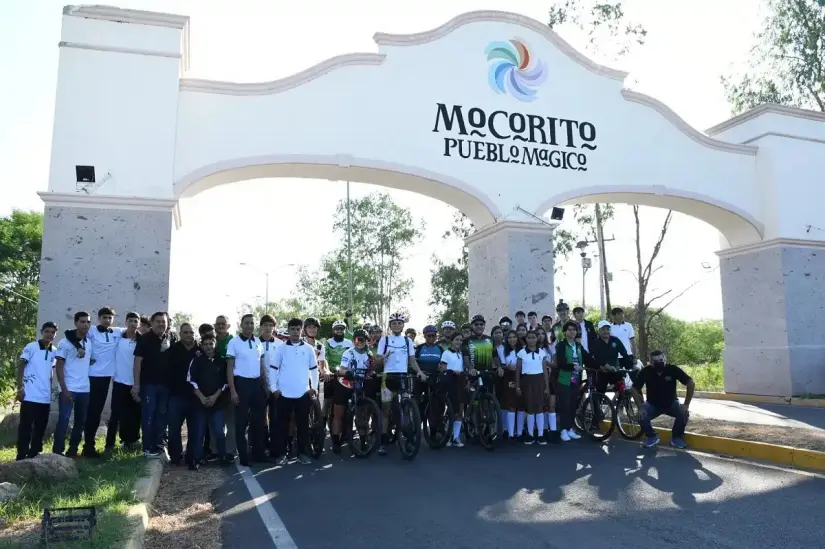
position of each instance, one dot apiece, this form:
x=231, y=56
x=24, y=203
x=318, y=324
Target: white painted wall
x=371, y=118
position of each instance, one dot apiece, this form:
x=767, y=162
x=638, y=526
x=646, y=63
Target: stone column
x=510, y=269
x=773, y=295
x=103, y=251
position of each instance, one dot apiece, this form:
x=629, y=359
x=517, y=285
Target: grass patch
x=708, y=377
x=105, y=484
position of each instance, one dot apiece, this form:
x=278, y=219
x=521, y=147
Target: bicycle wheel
x=437, y=421
x=408, y=430
x=366, y=424
x=317, y=429
x=577, y=418
x=594, y=411
x=487, y=415
x=628, y=417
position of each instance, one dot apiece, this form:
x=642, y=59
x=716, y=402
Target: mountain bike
x=482, y=411
x=362, y=417
x=317, y=428
x=628, y=414
x=594, y=408
x=438, y=412
x=405, y=419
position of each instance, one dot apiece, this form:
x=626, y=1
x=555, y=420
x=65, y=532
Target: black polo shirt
x=661, y=384
x=155, y=360
x=177, y=371
x=608, y=352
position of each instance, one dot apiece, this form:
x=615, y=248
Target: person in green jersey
x=222, y=336
x=478, y=349
x=335, y=348
x=222, y=339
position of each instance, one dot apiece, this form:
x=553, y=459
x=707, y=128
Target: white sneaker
x=573, y=434
x=565, y=436
x=457, y=443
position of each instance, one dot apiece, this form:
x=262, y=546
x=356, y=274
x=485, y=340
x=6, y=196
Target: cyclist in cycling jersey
x=428, y=357
x=357, y=356
x=447, y=331
x=333, y=350
x=478, y=349
x=466, y=331
x=395, y=356
x=452, y=361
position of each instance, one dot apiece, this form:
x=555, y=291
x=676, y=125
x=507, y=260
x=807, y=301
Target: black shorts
x=395, y=382
x=330, y=387
x=342, y=394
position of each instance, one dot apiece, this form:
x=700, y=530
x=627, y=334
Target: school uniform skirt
x=532, y=388
x=508, y=399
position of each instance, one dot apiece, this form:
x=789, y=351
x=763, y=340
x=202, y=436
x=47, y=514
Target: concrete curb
x=146, y=488
x=773, y=453
x=759, y=399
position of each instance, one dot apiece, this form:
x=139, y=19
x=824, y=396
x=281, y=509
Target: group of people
x=250, y=394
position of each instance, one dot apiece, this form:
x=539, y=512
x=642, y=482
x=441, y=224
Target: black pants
x=33, y=419
x=98, y=391
x=272, y=434
x=125, y=416
x=285, y=407
x=251, y=411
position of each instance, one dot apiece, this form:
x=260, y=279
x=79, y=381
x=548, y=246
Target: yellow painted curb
x=774, y=453
x=759, y=399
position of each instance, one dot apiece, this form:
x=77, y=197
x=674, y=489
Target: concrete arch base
x=510, y=268
x=104, y=251
x=773, y=294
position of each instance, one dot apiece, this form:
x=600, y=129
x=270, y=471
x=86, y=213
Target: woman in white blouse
x=533, y=382
x=452, y=361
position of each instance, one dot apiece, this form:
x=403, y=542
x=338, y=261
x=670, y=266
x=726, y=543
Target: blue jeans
x=179, y=409
x=80, y=405
x=651, y=412
x=213, y=417
x=153, y=402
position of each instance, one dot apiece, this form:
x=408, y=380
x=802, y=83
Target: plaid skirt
x=532, y=388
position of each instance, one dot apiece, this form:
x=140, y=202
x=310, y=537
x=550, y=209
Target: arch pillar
x=510, y=268
x=773, y=297
x=103, y=251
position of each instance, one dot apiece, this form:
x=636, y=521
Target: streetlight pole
x=349, y=263
x=266, y=275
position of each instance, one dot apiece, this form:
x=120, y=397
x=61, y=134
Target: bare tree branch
x=657, y=247
x=661, y=309
x=652, y=299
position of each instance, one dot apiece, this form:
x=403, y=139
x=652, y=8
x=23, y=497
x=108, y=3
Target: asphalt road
x=574, y=496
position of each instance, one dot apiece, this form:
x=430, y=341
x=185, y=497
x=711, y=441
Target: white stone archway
x=518, y=121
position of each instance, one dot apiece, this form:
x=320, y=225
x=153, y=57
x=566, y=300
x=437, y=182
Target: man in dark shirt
x=181, y=402
x=606, y=351
x=207, y=377
x=660, y=379
x=150, y=382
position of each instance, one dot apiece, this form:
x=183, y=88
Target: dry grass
x=808, y=439
x=183, y=516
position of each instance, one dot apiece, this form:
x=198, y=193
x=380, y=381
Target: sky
x=690, y=45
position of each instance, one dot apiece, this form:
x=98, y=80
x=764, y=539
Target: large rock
x=8, y=491
x=9, y=422
x=48, y=467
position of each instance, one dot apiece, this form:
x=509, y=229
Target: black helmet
x=360, y=333
x=479, y=318
x=312, y=321
x=505, y=320
x=376, y=329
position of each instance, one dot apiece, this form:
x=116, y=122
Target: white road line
x=272, y=521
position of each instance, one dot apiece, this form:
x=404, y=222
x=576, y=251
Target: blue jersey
x=428, y=357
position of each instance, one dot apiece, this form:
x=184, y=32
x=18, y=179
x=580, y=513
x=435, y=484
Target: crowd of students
x=251, y=394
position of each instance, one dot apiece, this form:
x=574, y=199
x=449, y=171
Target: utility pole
x=604, y=288
x=349, y=263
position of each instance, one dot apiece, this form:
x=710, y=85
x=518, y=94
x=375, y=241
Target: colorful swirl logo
x=513, y=70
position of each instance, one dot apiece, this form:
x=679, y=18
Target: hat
x=603, y=323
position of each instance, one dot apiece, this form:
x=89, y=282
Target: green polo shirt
x=221, y=344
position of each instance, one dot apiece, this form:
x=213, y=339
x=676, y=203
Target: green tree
x=382, y=234
x=282, y=310
x=788, y=61
x=180, y=318
x=21, y=238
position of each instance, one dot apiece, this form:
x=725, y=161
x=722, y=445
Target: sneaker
x=542, y=440
x=529, y=440
x=565, y=435
x=457, y=443
x=651, y=441
x=303, y=459
x=678, y=443
x=193, y=467
x=227, y=460
x=573, y=434
x=283, y=460
x=153, y=454
x=449, y=443
x=210, y=457
x=382, y=451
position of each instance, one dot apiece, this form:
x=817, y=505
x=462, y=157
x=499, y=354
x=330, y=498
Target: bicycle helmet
x=429, y=329
x=446, y=324
x=339, y=324
x=360, y=333
x=479, y=318
x=397, y=316
x=376, y=329
x=505, y=320
x=312, y=321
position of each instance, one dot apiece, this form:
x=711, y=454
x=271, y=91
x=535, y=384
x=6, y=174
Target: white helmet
x=339, y=324
x=448, y=324
x=397, y=316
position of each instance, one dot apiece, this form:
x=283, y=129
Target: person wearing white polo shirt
x=624, y=331
x=34, y=391
x=247, y=386
x=72, y=369
x=269, y=343
x=125, y=411
x=293, y=379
